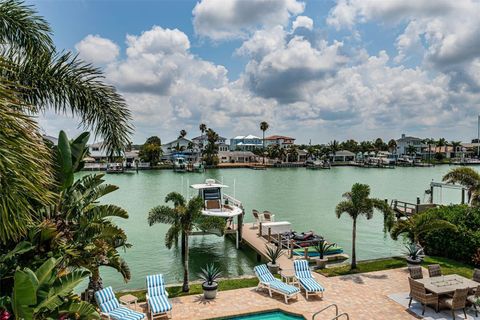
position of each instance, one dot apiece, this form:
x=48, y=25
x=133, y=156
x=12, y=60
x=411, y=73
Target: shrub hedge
x=460, y=245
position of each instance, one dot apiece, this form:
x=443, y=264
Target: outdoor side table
x=288, y=276
x=128, y=299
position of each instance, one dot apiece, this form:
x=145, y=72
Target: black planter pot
x=210, y=290
x=414, y=262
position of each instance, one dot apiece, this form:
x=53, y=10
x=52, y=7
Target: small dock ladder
x=337, y=315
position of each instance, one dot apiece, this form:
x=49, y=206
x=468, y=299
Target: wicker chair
x=418, y=293
x=458, y=301
x=476, y=275
x=258, y=217
x=415, y=272
x=434, y=270
x=473, y=300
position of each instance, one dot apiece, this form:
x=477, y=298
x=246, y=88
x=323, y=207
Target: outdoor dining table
x=447, y=284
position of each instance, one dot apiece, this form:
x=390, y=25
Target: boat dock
x=251, y=237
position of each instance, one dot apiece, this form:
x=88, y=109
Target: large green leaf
x=24, y=294
x=79, y=150
x=82, y=309
x=46, y=271
x=20, y=248
x=65, y=160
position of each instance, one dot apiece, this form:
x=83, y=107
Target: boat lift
x=443, y=185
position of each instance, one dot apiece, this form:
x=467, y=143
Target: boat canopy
x=209, y=183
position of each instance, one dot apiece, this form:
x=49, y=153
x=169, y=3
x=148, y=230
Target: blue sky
x=317, y=70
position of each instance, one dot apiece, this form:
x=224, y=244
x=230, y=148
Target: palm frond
x=176, y=198
x=345, y=206
x=162, y=214
x=100, y=212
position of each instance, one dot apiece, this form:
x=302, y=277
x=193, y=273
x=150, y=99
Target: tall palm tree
x=358, y=203
x=455, y=145
x=264, y=127
x=411, y=150
x=34, y=78
x=467, y=177
x=182, y=134
x=203, y=128
x=392, y=145
x=442, y=142
x=334, y=146
x=292, y=153
x=416, y=226
x=183, y=218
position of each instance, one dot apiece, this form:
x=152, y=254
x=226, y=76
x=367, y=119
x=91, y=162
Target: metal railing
x=232, y=200
x=341, y=315
x=326, y=308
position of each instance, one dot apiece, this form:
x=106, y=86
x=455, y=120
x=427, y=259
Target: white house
x=246, y=143
x=237, y=157
x=342, y=155
x=404, y=142
x=98, y=152
x=281, y=141
x=203, y=141
x=181, y=146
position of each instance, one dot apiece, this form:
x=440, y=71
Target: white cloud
x=302, y=22
x=219, y=19
x=97, y=50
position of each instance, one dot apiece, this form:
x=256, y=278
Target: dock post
x=290, y=248
x=240, y=226
x=431, y=194
x=463, y=196
x=269, y=235
x=260, y=229
x=237, y=243
x=305, y=250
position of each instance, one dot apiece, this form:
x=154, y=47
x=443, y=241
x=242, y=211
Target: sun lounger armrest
x=104, y=315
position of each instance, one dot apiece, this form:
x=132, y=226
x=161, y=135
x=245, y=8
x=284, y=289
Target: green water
x=305, y=198
x=275, y=315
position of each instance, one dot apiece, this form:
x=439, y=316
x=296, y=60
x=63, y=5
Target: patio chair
x=419, y=293
x=268, y=216
x=415, y=272
x=306, y=279
x=473, y=300
x=111, y=309
x=157, y=297
x=257, y=216
x=269, y=282
x=476, y=275
x=434, y=270
x=457, y=302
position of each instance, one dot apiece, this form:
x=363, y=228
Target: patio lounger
x=157, y=297
x=111, y=309
x=306, y=280
x=269, y=282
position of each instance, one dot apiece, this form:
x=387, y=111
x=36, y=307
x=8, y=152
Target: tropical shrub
x=459, y=245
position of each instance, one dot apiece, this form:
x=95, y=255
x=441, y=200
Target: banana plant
x=44, y=294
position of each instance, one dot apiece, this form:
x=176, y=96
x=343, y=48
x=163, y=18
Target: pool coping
x=248, y=313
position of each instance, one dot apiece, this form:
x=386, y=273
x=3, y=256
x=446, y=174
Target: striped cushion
x=311, y=285
x=159, y=304
x=122, y=313
x=283, y=287
x=301, y=269
x=106, y=299
x=263, y=273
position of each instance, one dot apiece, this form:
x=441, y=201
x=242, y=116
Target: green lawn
x=448, y=266
x=223, y=285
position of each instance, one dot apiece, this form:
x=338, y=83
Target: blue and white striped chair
x=111, y=309
x=157, y=297
x=269, y=282
x=306, y=279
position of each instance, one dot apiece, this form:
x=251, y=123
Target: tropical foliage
x=358, y=203
x=468, y=178
x=151, y=150
x=264, y=127
x=183, y=218
x=210, y=152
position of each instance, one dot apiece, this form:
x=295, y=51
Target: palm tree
x=183, y=218
x=392, y=145
x=334, y=147
x=467, y=177
x=203, y=128
x=416, y=226
x=429, y=142
x=442, y=142
x=455, y=146
x=411, y=150
x=357, y=203
x=264, y=127
x=292, y=153
x=183, y=133
x=282, y=153
x=34, y=78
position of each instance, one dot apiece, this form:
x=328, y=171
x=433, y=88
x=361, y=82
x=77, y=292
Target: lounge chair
x=419, y=293
x=268, y=216
x=306, y=279
x=111, y=309
x=457, y=302
x=476, y=275
x=157, y=297
x=474, y=298
x=415, y=272
x=269, y=282
x=434, y=270
x=257, y=216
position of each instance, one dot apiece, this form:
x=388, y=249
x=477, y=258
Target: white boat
x=386, y=157
x=216, y=203
x=180, y=164
x=115, y=168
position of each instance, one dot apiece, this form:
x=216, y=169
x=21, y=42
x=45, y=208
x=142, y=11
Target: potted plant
x=209, y=275
x=322, y=248
x=414, y=254
x=273, y=254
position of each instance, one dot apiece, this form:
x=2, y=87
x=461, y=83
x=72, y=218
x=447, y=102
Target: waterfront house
x=246, y=143
x=281, y=141
x=202, y=141
x=342, y=156
x=405, y=141
x=237, y=157
x=98, y=152
x=181, y=147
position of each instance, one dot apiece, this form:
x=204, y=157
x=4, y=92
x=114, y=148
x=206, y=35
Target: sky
x=314, y=70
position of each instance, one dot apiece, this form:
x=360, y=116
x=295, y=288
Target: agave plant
x=323, y=246
x=210, y=274
x=413, y=251
x=274, y=253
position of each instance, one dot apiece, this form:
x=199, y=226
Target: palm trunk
x=185, y=287
x=354, y=238
x=95, y=284
x=183, y=246
x=263, y=148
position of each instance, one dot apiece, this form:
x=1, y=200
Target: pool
x=271, y=315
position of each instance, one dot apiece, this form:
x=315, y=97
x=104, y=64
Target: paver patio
x=362, y=296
